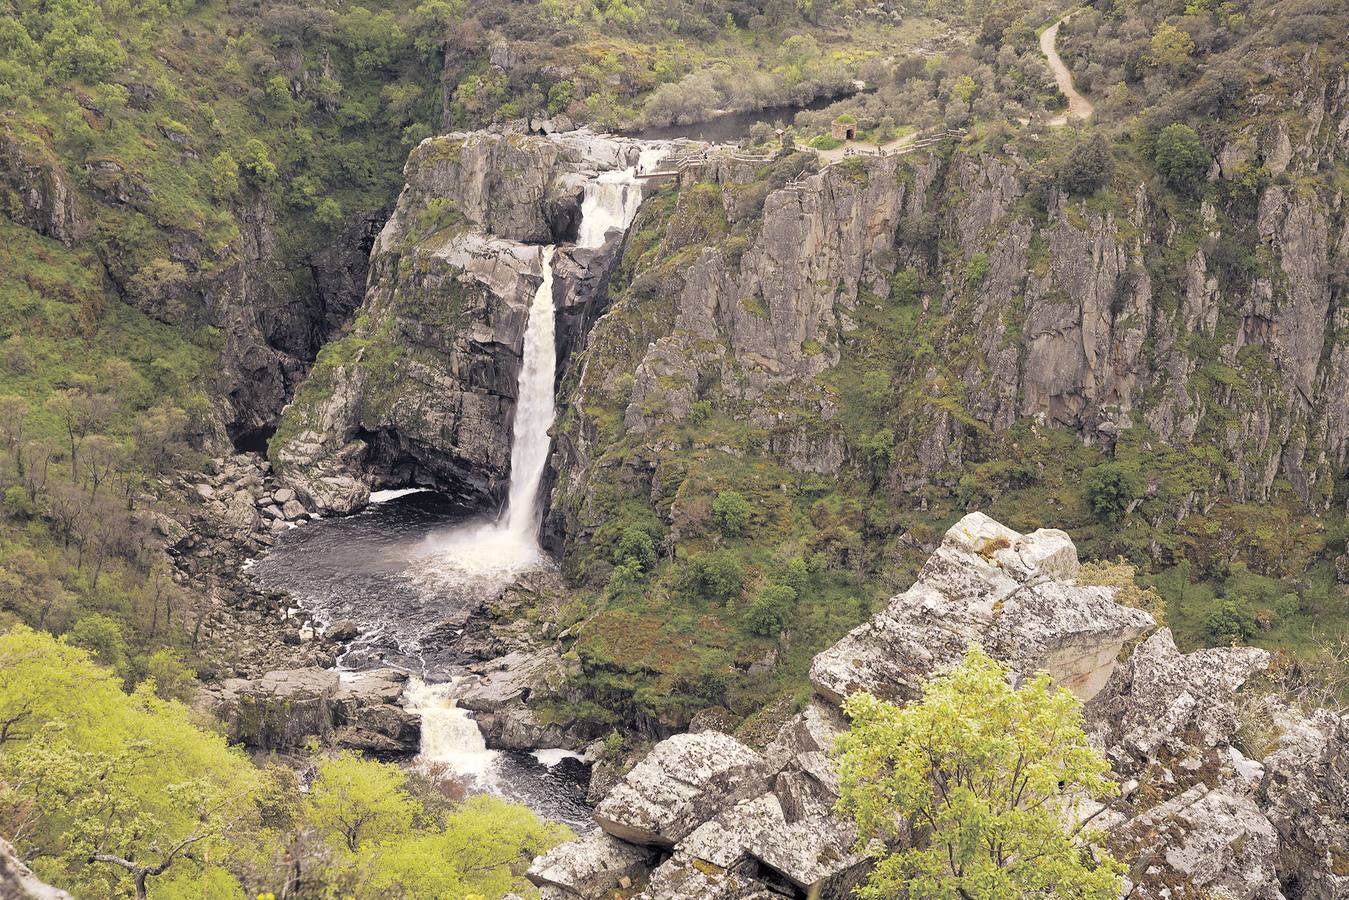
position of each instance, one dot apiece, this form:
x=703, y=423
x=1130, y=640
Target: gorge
x=426, y=472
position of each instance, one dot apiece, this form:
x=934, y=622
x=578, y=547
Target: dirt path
x=1079, y=107
x=862, y=148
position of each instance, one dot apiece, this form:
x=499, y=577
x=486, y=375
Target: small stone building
x=844, y=128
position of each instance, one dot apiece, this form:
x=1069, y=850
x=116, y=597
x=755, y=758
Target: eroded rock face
x=1160, y=698
x=1306, y=796
x=1214, y=841
x=680, y=785
x=588, y=867
x=990, y=585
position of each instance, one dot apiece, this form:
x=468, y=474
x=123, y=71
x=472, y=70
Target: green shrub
x=1231, y=623
x=635, y=548
x=1110, y=488
x=1180, y=157
x=716, y=577
x=768, y=612
x=732, y=513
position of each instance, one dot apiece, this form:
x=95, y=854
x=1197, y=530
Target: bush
x=1087, y=167
x=1180, y=157
x=768, y=612
x=1231, y=623
x=1110, y=488
x=732, y=513
x=716, y=577
x=635, y=548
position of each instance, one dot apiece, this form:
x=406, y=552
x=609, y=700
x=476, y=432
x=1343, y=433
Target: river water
x=410, y=567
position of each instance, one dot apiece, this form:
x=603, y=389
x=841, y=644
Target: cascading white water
x=509, y=546
x=450, y=737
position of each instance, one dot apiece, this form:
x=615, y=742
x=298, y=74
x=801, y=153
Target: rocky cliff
x=706, y=815
x=422, y=391
x=977, y=297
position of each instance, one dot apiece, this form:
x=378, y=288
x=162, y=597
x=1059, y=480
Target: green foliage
x=716, y=577
x=1110, y=488
x=1231, y=623
x=108, y=792
x=732, y=513
x=980, y=772
x=1180, y=157
x=768, y=611
x=258, y=163
x=635, y=548
x=1088, y=166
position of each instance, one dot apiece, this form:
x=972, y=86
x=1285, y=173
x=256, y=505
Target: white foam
x=394, y=494
x=551, y=756
x=450, y=737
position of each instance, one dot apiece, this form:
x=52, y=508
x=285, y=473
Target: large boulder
x=588, y=867
x=1206, y=841
x=685, y=781
x=986, y=584
x=1160, y=698
x=282, y=710
x=1306, y=796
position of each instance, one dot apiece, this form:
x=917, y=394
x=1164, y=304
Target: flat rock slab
x=589, y=866
x=684, y=781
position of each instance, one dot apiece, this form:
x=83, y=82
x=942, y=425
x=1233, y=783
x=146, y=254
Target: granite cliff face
x=422, y=391
x=706, y=815
x=1215, y=326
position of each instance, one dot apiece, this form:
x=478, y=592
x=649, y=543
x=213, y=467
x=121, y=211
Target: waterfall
x=449, y=736
x=533, y=413
x=501, y=549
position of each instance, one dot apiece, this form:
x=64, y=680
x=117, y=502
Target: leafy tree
x=980, y=776
x=1180, y=156
x=635, y=548
x=103, y=637
x=1232, y=622
x=258, y=163
x=732, y=513
x=717, y=577
x=1110, y=488
x=1088, y=166
x=1170, y=47
x=768, y=612
x=358, y=802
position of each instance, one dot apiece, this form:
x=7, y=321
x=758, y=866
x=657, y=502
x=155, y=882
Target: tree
x=358, y=801
x=1180, y=156
x=717, y=577
x=982, y=780
x=1110, y=489
x=258, y=163
x=1088, y=166
x=635, y=548
x=732, y=513
x=1232, y=622
x=1170, y=48
x=768, y=611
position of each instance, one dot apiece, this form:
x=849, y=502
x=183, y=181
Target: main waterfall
x=508, y=546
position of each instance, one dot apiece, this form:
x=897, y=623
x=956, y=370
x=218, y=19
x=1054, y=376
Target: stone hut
x=844, y=128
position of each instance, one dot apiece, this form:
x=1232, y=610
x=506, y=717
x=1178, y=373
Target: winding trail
x=1079, y=107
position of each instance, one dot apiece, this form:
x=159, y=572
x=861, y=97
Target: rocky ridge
x=705, y=815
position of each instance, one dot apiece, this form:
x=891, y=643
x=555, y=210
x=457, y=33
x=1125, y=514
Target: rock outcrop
x=17, y=882
x=282, y=710
x=986, y=584
x=705, y=815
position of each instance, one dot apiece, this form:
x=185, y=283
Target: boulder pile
x=707, y=816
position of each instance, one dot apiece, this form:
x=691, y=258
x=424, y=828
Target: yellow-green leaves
x=973, y=788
